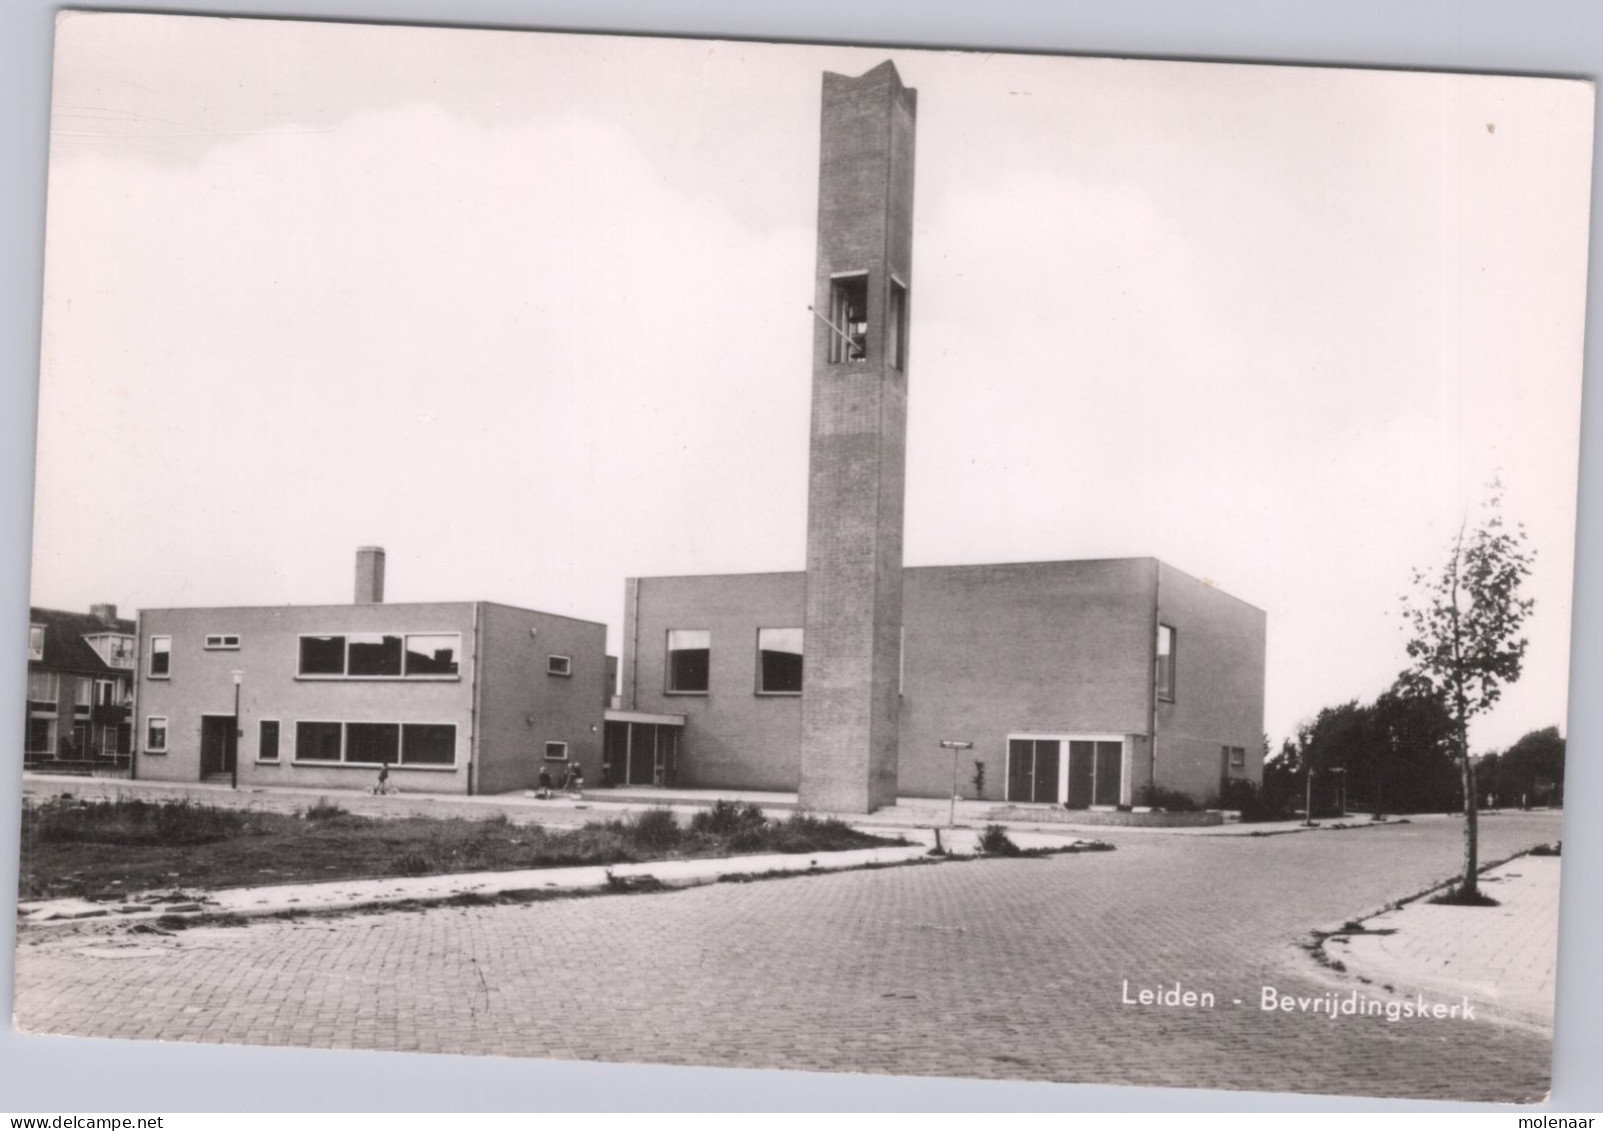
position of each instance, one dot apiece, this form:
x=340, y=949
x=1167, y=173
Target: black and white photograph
x=821, y=558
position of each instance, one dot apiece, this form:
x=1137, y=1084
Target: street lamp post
x=1308, y=798
x=233, y=761
x=954, y=746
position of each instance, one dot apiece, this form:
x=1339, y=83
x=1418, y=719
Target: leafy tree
x=1529, y=772
x=1464, y=619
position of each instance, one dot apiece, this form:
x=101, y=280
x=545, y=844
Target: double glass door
x=1074, y=772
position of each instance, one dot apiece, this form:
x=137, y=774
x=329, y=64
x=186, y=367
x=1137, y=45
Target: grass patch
x=113, y=849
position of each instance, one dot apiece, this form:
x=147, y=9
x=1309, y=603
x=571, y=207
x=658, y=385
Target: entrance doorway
x=641, y=753
x=219, y=745
x=1075, y=772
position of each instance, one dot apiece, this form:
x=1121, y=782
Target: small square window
x=226, y=641
x=161, y=655
x=556, y=752
x=559, y=665
x=156, y=734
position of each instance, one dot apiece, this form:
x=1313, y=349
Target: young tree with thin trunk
x=1464, y=621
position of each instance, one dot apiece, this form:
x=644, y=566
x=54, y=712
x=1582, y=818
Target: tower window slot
x=848, y=318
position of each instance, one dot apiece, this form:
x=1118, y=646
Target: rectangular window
x=689, y=660
x=222, y=640
x=83, y=694
x=1165, y=666
x=559, y=665
x=779, y=661
x=44, y=690
x=848, y=318
x=1238, y=756
x=373, y=654
x=267, y=741
x=375, y=743
x=556, y=752
x=156, y=734
x=428, y=744
x=380, y=655
x=317, y=742
x=161, y=654
x=896, y=327
x=41, y=737
x=105, y=693
x=433, y=654
x=36, y=642
x=322, y=655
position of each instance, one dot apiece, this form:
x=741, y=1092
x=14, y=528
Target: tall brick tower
x=857, y=468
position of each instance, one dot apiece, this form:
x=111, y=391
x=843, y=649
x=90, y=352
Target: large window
x=41, y=737
x=848, y=318
x=267, y=743
x=374, y=654
x=428, y=744
x=779, y=661
x=689, y=660
x=317, y=742
x=1165, y=667
x=375, y=744
x=433, y=655
x=44, y=689
x=379, y=655
x=83, y=695
x=322, y=655
x=161, y=655
x=156, y=734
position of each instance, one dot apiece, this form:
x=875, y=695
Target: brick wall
x=1219, y=685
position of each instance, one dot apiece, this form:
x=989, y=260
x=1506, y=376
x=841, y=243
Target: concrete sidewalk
x=343, y=895
x=1503, y=957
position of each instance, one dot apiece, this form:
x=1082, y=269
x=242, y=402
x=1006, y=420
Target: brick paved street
x=995, y=968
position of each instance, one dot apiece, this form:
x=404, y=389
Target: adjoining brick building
x=455, y=697
x=80, y=690
x=1059, y=673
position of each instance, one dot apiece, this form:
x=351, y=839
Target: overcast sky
x=531, y=312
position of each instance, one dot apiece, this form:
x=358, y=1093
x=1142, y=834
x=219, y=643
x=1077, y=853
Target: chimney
x=370, y=575
x=105, y=614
